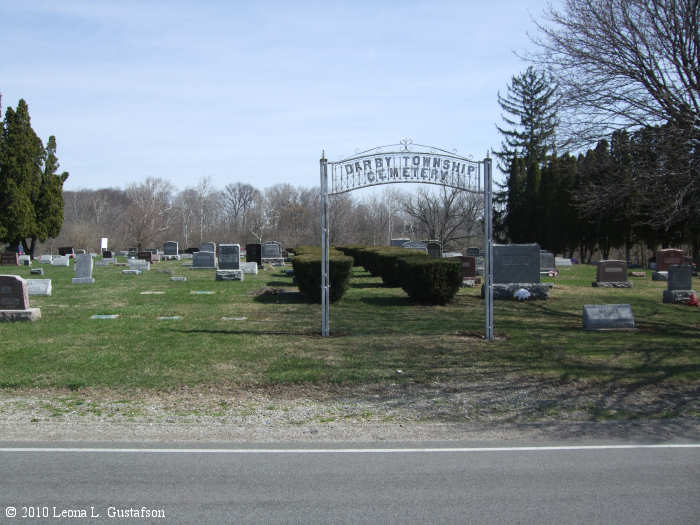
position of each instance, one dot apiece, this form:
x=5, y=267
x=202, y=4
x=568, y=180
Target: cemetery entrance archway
x=406, y=163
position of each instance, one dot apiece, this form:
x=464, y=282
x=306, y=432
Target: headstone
x=659, y=276
x=138, y=264
x=516, y=263
x=680, y=277
x=171, y=250
x=132, y=252
x=104, y=316
x=473, y=252
x=66, y=250
x=229, y=275
x=416, y=245
x=46, y=258
x=607, y=316
x=547, y=261
x=665, y=258
x=24, y=260
x=178, y=278
x=123, y=253
x=132, y=271
x=398, y=242
x=79, y=252
x=14, y=300
x=146, y=256
x=83, y=269
x=203, y=260
x=434, y=248
x=103, y=244
x=61, y=260
x=9, y=259
x=253, y=253
x=229, y=256
x=39, y=286
x=562, y=261
x=680, y=283
x=106, y=254
x=611, y=274
x=271, y=250
x=105, y=262
x=207, y=247
x=468, y=266
x=191, y=250
x=37, y=271
x=250, y=267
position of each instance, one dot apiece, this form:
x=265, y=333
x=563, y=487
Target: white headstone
x=39, y=286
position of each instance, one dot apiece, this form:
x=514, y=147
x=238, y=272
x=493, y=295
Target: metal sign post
x=488, y=249
x=325, y=298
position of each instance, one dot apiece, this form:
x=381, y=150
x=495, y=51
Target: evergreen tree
x=530, y=111
x=31, y=200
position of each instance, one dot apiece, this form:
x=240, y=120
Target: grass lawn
x=377, y=335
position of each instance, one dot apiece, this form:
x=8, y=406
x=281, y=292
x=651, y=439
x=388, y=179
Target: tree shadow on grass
x=277, y=296
x=301, y=333
x=279, y=283
x=387, y=301
x=366, y=285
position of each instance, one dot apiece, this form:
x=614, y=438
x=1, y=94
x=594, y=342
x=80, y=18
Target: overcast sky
x=254, y=91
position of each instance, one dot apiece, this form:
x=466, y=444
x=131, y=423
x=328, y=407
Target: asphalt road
x=349, y=485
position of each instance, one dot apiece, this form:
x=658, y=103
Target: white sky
x=254, y=91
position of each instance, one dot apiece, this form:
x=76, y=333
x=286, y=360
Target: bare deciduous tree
x=623, y=63
x=150, y=211
x=448, y=215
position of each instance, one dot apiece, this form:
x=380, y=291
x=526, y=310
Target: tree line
x=619, y=82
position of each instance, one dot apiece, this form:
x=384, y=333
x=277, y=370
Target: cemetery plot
x=239, y=337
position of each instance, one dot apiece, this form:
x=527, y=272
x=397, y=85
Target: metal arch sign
x=398, y=163
x=419, y=164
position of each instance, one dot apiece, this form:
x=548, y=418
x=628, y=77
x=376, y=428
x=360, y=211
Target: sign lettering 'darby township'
x=383, y=168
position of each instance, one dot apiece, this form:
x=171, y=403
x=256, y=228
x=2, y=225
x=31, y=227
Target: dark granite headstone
x=9, y=259
x=207, y=247
x=145, y=256
x=271, y=250
x=516, y=263
x=229, y=256
x=205, y=260
x=106, y=254
x=66, y=250
x=468, y=266
x=399, y=241
x=611, y=271
x=547, y=261
x=170, y=248
x=415, y=245
x=665, y=258
x=434, y=248
x=680, y=278
x=13, y=293
x=191, y=250
x=253, y=253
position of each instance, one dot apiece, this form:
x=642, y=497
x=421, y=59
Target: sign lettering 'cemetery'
x=385, y=168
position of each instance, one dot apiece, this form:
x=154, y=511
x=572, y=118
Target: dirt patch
x=500, y=408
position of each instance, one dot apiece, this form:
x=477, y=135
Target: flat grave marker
x=607, y=317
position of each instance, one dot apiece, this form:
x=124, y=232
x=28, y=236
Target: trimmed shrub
x=307, y=271
x=387, y=264
x=427, y=280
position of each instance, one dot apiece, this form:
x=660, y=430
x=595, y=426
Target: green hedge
x=307, y=271
x=428, y=280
